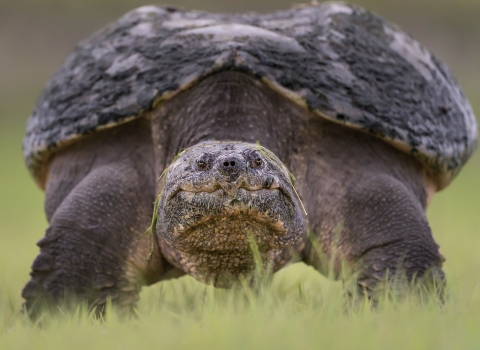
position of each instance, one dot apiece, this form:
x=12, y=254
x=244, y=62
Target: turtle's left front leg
x=366, y=204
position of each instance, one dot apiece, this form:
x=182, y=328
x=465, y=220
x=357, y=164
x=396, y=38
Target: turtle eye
x=202, y=162
x=254, y=160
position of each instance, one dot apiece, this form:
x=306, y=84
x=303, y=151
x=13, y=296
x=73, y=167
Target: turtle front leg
x=99, y=201
x=366, y=204
x=381, y=236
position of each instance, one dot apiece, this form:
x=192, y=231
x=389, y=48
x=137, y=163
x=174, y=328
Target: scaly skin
x=98, y=202
x=219, y=195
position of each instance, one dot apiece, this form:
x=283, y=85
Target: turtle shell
x=340, y=61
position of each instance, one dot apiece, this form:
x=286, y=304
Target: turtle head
x=222, y=201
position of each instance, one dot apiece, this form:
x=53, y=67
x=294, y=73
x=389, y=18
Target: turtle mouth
x=216, y=221
x=214, y=233
x=268, y=184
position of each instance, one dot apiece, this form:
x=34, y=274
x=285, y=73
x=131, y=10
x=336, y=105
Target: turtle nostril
x=230, y=166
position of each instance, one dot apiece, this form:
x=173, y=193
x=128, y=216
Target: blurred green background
x=36, y=36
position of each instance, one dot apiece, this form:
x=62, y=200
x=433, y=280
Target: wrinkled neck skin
x=224, y=197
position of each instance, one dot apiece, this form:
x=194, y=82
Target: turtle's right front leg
x=91, y=250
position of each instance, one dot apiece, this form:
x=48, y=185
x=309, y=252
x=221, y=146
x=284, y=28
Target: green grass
x=300, y=309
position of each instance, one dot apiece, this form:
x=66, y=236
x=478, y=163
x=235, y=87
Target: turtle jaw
x=214, y=232
x=202, y=221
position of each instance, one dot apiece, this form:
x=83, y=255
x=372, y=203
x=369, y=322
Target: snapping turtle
x=370, y=123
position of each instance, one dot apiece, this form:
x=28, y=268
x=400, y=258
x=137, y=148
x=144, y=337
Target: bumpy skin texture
x=367, y=210
x=217, y=197
x=340, y=61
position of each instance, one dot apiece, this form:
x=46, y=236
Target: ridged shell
x=340, y=61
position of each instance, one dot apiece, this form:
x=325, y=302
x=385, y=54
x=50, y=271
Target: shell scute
x=340, y=61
